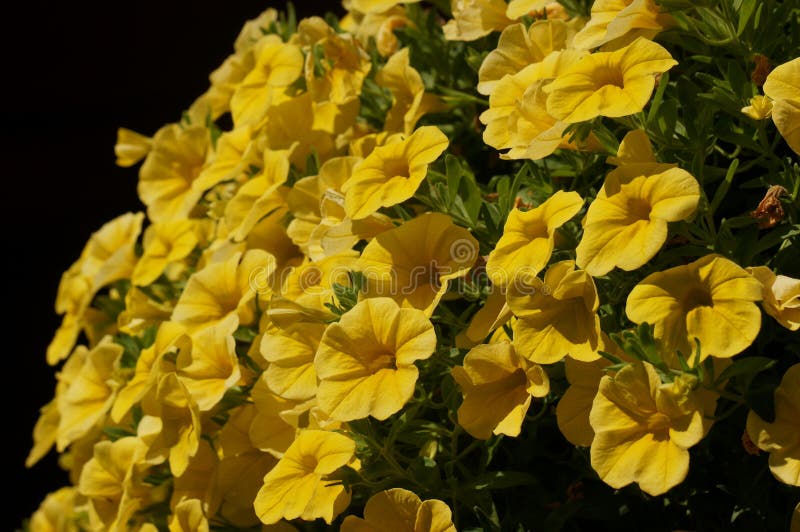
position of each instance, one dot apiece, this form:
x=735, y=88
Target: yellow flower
x=711, y=300
x=131, y=147
x=634, y=148
x=141, y=312
x=572, y=411
x=626, y=224
x=165, y=179
x=519, y=47
x=91, y=392
x=491, y=316
x=781, y=438
x=234, y=153
x=290, y=353
x=557, y=316
x=473, y=19
x=57, y=513
x=528, y=238
x=377, y=6
x=609, y=84
x=268, y=429
x=197, y=482
x=365, y=362
x=277, y=65
x=760, y=108
x=108, y=256
x=381, y=26
x=207, y=364
x=224, y=288
x=164, y=243
x=415, y=262
x=781, y=296
x=520, y=8
x=620, y=22
x=392, y=173
x=188, y=516
x=497, y=385
x=518, y=118
x=783, y=87
x=409, y=99
x=643, y=429
x=300, y=485
x=401, y=510
x=171, y=424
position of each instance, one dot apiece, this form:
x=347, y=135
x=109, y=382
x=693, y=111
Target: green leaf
x=719, y=195
x=746, y=366
x=454, y=172
x=745, y=12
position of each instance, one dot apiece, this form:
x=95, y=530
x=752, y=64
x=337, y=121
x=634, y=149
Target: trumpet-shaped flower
x=377, y=6
x=131, y=147
x=409, y=99
x=58, y=512
x=783, y=87
x=609, y=84
x=626, y=224
x=164, y=243
x=620, y=22
x=497, y=385
x=528, y=238
x=643, y=429
x=365, y=362
x=300, y=484
x=91, y=392
x=268, y=431
x=635, y=148
x=310, y=285
x=781, y=438
x=519, y=47
x=290, y=353
x=557, y=316
x=401, y=510
x=225, y=288
x=207, y=364
x=493, y=314
x=760, y=108
x=277, y=65
x=415, y=262
x=178, y=155
x=781, y=296
x=392, y=172
x=572, y=411
x=188, y=516
x=473, y=19
x=711, y=300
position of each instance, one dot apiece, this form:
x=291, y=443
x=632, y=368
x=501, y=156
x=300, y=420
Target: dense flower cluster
x=397, y=263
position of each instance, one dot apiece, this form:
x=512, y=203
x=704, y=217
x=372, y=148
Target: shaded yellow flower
x=58, y=512
x=557, y=316
x=760, y=108
x=377, y=6
x=572, y=411
x=497, y=385
x=609, y=84
x=141, y=311
x=90, y=393
x=268, y=430
x=224, y=288
x=520, y=8
x=197, y=482
x=188, y=516
x=781, y=296
x=381, y=26
x=290, y=353
x=643, y=429
x=107, y=257
x=131, y=147
x=634, y=148
x=365, y=362
x=299, y=486
x=783, y=87
x=415, y=262
x=207, y=364
x=401, y=510
x=529, y=237
x=277, y=65
x=711, y=300
x=621, y=19
x=626, y=224
x=392, y=172
x=491, y=316
x=164, y=243
x=171, y=424
x=519, y=47
x=409, y=99
x=175, y=161
x=310, y=285
x=781, y=438
x=473, y=19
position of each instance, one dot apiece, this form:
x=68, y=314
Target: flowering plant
x=433, y=266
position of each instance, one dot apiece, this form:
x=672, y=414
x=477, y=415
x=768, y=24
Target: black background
x=72, y=73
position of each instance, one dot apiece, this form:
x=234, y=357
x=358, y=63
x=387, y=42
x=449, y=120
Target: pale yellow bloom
x=401, y=510
x=409, y=100
x=619, y=22
x=473, y=19
x=290, y=353
x=58, y=512
x=164, y=243
x=783, y=87
x=635, y=148
x=188, y=516
x=760, y=108
x=131, y=147
x=781, y=296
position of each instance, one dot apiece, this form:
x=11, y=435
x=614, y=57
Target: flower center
x=608, y=76
x=638, y=209
x=658, y=422
x=379, y=361
x=309, y=463
x=697, y=297
x=396, y=167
